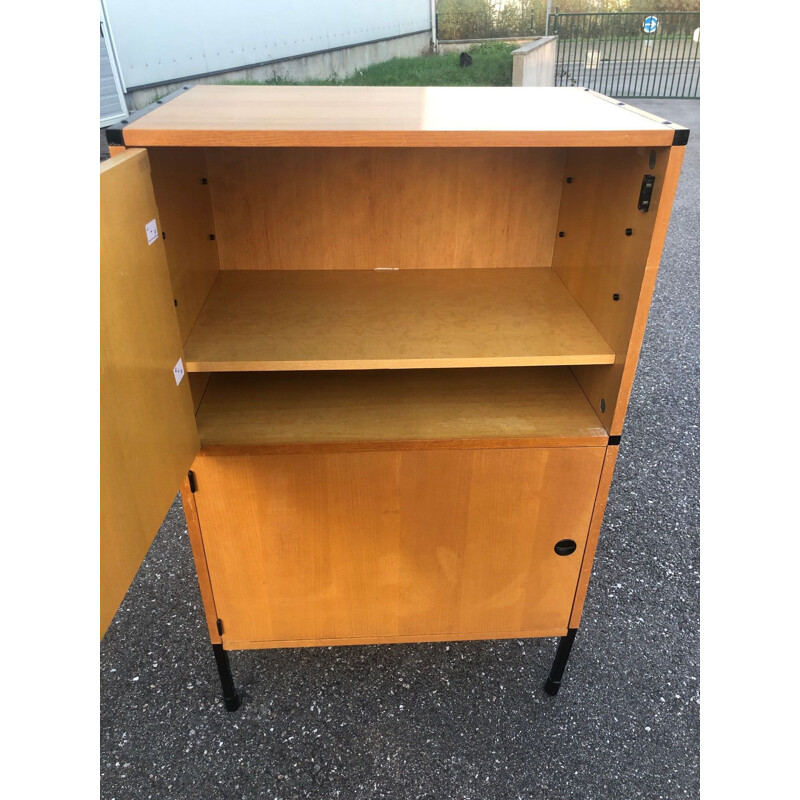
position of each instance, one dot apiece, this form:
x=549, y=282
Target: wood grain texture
x=663, y=211
x=614, y=383
x=529, y=633
x=596, y=259
x=184, y=205
x=198, y=383
x=147, y=432
x=291, y=320
x=401, y=546
x=328, y=208
x=199, y=554
x=639, y=111
x=666, y=200
x=593, y=538
x=395, y=409
x=394, y=116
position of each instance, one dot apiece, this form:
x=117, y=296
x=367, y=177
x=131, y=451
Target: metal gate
x=629, y=54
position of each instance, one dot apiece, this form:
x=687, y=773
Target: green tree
x=539, y=7
x=479, y=19
x=663, y=5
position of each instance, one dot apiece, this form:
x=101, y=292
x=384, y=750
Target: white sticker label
x=151, y=229
x=178, y=372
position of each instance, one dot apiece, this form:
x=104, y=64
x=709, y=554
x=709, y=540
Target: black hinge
x=613, y=440
x=219, y=627
x=646, y=192
x=192, y=482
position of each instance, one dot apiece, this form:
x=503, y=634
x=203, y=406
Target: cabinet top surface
x=359, y=116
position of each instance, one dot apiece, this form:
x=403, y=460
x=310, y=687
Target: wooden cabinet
x=386, y=338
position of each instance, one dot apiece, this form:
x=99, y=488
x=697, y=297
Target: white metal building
x=112, y=100
x=149, y=47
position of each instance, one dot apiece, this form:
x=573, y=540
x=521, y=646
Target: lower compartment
x=379, y=547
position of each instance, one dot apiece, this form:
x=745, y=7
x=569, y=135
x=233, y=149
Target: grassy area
x=491, y=66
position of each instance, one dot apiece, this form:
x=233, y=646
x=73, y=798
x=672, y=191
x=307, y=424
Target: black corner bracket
x=114, y=137
x=680, y=138
x=614, y=440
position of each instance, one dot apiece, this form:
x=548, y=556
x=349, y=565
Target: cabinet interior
x=364, y=295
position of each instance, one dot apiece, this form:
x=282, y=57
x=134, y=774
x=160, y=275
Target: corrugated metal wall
x=158, y=41
x=112, y=103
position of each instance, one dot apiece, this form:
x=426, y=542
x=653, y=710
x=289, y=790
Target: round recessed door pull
x=565, y=547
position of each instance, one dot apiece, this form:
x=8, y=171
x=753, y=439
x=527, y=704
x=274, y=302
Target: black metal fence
x=629, y=54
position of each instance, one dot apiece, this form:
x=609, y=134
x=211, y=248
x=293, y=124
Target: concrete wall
x=535, y=63
x=463, y=45
x=159, y=42
x=334, y=63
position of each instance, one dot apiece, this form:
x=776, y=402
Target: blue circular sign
x=650, y=25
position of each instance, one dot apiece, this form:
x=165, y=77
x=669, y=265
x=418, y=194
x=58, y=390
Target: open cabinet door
x=148, y=437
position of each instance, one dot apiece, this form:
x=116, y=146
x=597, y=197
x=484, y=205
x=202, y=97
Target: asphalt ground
x=672, y=79
x=460, y=720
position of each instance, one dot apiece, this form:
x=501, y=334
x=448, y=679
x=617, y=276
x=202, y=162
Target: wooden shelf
x=394, y=319
x=390, y=409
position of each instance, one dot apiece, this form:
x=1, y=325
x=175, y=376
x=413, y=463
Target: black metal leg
x=229, y=693
x=562, y=654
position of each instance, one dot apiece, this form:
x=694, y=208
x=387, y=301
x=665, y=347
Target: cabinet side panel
x=614, y=383
x=310, y=548
x=367, y=208
x=147, y=432
x=187, y=222
x=199, y=554
x=594, y=535
x=603, y=256
x=198, y=383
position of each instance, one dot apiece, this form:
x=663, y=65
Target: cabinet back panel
x=366, y=208
x=184, y=206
